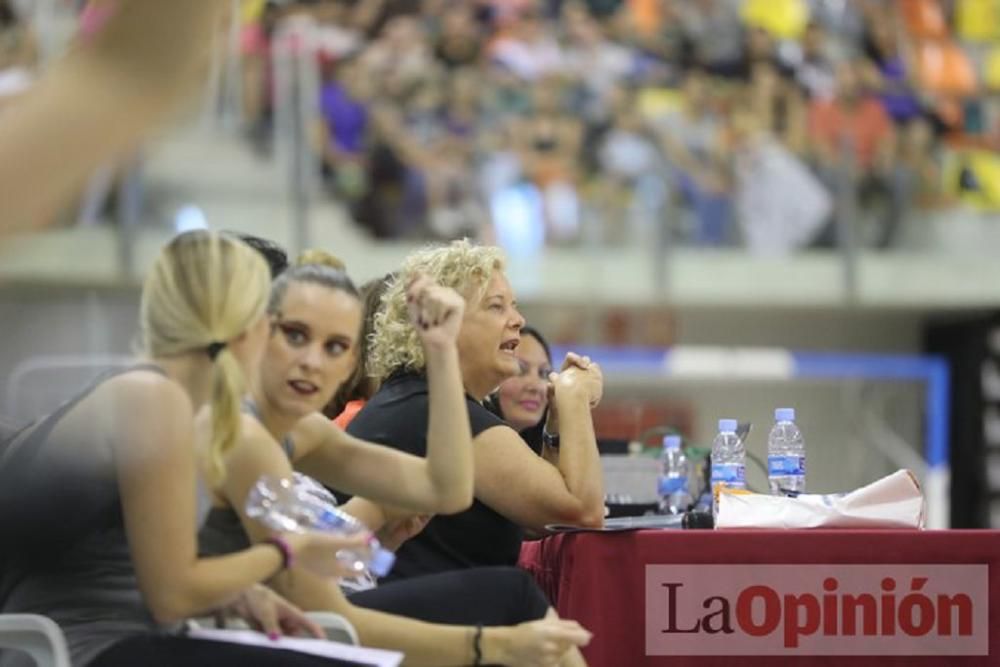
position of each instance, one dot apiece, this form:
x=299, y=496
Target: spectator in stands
x=430, y=188
x=693, y=140
x=714, y=29
x=317, y=312
x=897, y=90
x=513, y=486
x=760, y=47
x=257, y=80
x=854, y=119
x=526, y=47
x=815, y=71
x=400, y=58
x=549, y=141
x=920, y=153
x=853, y=134
x=337, y=35
x=597, y=62
x=778, y=103
x=843, y=22
x=374, y=16
x=394, y=203
x=99, y=501
x=342, y=131
x=668, y=43
x=631, y=186
x=459, y=43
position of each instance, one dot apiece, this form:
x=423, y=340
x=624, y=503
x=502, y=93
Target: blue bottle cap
x=784, y=415
x=727, y=426
x=671, y=442
x=382, y=561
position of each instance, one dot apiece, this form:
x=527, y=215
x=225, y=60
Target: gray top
x=77, y=570
x=222, y=532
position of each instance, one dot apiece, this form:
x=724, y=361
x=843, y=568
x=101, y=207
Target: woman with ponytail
x=100, y=500
x=316, y=314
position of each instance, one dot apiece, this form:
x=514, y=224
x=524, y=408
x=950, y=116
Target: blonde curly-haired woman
x=514, y=488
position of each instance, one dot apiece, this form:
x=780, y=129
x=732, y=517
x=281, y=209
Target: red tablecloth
x=600, y=580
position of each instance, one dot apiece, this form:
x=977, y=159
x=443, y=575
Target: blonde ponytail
x=205, y=288
x=228, y=388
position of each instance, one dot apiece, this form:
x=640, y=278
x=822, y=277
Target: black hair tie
x=213, y=349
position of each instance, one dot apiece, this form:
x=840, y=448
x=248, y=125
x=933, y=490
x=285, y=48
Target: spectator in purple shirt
x=343, y=130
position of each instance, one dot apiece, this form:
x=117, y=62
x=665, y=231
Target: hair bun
x=316, y=257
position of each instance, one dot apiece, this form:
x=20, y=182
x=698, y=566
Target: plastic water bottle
x=296, y=506
x=672, y=484
x=786, y=455
x=728, y=462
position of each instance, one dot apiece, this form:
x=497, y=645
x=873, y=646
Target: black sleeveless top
x=397, y=416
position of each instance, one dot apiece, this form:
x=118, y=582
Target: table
x=900, y=597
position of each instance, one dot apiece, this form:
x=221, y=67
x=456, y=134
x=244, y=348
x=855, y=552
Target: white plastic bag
x=895, y=501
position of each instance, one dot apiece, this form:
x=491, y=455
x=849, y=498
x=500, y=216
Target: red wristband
x=286, y=550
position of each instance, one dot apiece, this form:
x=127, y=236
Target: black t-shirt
x=397, y=416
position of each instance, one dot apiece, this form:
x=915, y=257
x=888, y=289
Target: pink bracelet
x=286, y=550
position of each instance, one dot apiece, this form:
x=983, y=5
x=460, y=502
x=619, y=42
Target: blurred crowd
x=751, y=123
x=708, y=122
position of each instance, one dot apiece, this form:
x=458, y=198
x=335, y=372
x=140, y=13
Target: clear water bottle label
x=331, y=520
x=726, y=476
x=778, y=466
x=729, y=474
x=671, y=485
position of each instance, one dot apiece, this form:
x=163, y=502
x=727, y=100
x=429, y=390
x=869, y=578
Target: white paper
x=321, y=647
x=891, y=502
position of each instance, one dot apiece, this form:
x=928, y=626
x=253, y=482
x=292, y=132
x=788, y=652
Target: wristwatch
x=550, y=439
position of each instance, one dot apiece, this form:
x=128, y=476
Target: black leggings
x=486, y=595
x=164, y=651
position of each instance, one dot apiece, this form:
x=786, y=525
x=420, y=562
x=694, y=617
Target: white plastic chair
x=337, y=628
x=42, y=639
x=40, y=384
x=38, y=636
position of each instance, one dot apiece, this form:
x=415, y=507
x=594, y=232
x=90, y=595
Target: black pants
x=163, y=651
x=486, y=595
